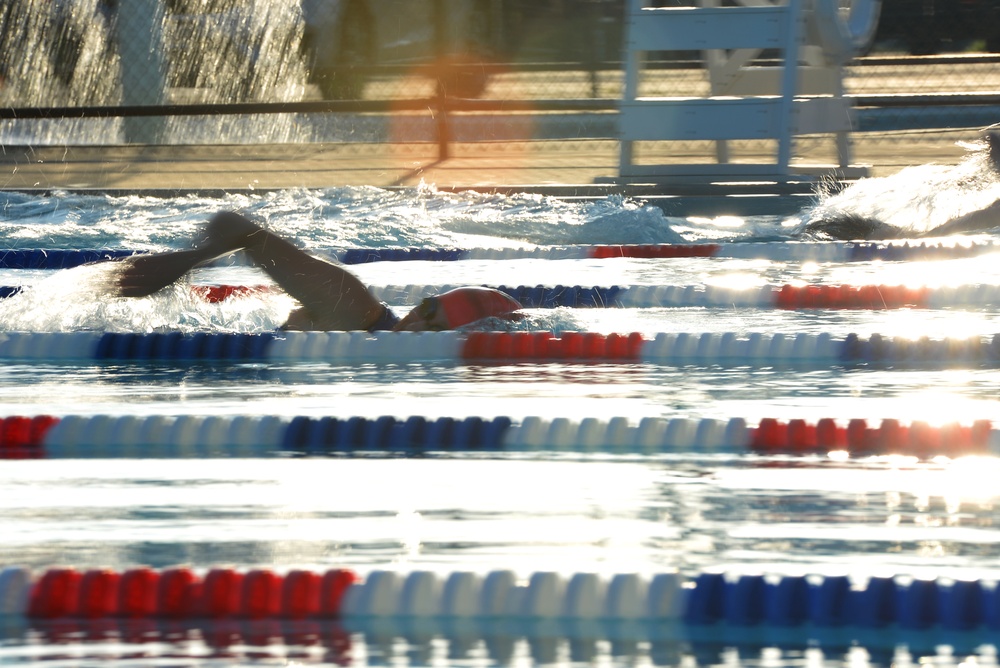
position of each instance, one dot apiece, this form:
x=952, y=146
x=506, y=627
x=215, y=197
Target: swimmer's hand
x=143, y=275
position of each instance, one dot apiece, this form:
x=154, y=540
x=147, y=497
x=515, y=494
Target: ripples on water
x=562, y=512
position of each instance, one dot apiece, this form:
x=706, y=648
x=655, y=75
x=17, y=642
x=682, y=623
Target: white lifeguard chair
x=802, y=95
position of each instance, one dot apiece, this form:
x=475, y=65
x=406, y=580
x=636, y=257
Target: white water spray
x=80, y=299
x=69, y=53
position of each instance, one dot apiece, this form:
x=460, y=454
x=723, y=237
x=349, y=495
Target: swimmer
x=331, y=298
x=851, y=226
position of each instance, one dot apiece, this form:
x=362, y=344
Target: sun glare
x=970, y=478
x=942, y=405
x=725, y=222
x=931, y=274
x=736, y=281
x=912, y=324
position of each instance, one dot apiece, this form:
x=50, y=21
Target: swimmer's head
x=456, y=308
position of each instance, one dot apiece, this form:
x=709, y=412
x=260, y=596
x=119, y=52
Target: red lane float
x=219, y=293
x=137, y=593
x=24, y=437
x=179, y=593
x=790, y=251
x=856, y=437
x=655, y=251
x=56, y=594
x=851, y=297
x=517, y=346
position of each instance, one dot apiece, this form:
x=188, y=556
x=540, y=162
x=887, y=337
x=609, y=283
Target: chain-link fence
x=378, y=70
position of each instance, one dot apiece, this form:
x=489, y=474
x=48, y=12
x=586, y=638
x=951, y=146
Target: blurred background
x=380, y=70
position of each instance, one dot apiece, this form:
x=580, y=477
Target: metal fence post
x=140, y=43
x=440, y=16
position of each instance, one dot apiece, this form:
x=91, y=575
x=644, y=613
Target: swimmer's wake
x=928, y=201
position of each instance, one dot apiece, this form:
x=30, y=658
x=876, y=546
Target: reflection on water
x=476, y=643
x=573, y=391
x=527, y=513
x=737, y=514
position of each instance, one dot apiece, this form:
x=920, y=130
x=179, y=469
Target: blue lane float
x=168, y=346
x=367, y=255
x=414, y=435
x=835, y=601
x=574, y=296
x=38, y=258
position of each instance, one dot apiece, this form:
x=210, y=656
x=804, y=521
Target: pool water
x=562, y=512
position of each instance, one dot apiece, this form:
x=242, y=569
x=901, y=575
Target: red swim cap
x=464, y=305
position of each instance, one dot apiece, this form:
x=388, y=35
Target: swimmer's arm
x=332, y=298
x=142, y=275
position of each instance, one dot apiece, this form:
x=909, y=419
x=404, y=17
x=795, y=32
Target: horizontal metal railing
x=441, y=107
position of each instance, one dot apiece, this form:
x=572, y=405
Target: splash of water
x=80, y=299
x=334, y=218
x=916, y=200
x=58, y=54
x=614, y=220
x=67, y=53
x=246, y=51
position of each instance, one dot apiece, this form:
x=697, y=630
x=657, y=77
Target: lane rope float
x=787, y=297
x=707, y=598
x=253, y=436
x=819, y=251
x=801, y=350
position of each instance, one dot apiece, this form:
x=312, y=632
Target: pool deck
x=579, y=168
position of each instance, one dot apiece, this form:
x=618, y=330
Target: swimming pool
x=548, y=512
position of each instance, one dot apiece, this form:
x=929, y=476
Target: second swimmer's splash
x=925, y=201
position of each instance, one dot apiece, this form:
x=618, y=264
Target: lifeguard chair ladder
x=742, y=105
